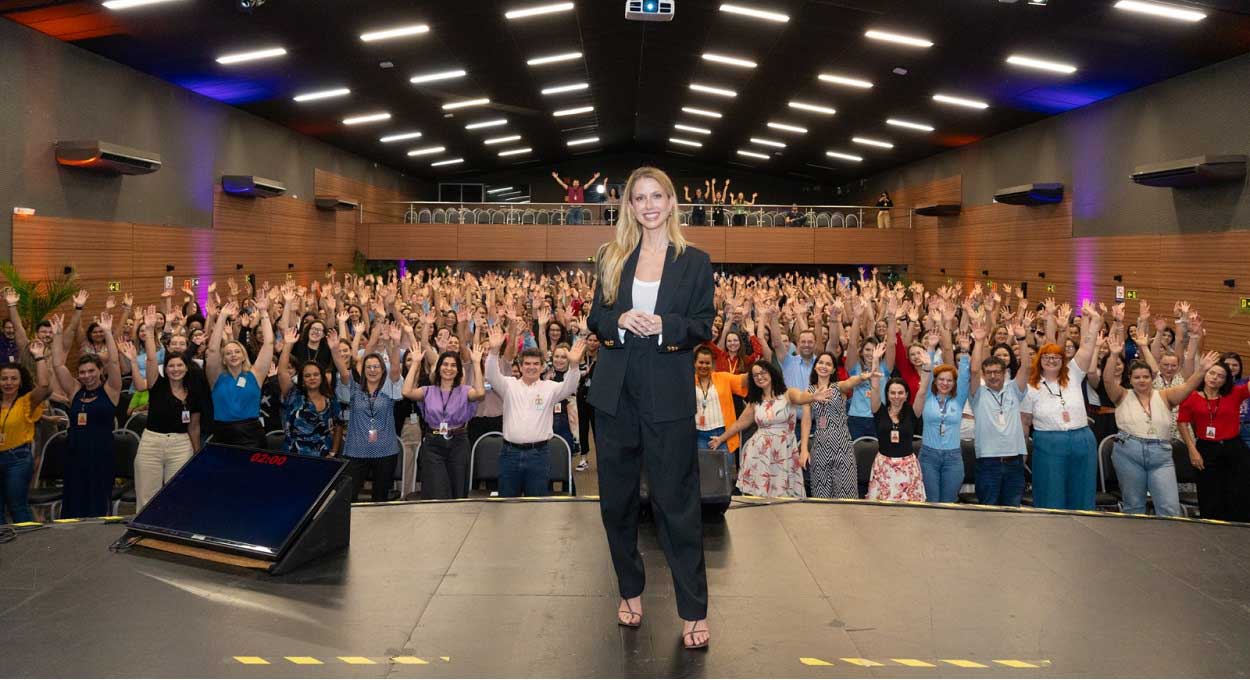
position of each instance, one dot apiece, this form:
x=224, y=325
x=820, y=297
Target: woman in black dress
x=652, y=307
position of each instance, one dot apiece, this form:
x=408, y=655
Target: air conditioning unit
x=938, y=209
x=336, y=203
x=251, y=186
x=1191, y=172
x=650, y=10
x=1038, y=193
x=107, y=157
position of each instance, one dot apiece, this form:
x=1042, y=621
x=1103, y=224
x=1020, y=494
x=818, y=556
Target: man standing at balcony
x=575, y=194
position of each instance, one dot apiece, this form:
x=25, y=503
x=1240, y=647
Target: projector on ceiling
x=650, y=10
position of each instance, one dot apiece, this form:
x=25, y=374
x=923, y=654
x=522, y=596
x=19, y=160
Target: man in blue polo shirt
x=796, y=368
x=996, y=413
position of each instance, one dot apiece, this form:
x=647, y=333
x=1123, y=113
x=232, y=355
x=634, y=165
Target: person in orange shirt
x=21, y=406
x=713, y=399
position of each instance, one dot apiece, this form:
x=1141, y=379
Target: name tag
x=822, y=422
x=413, y=417
x=702, y=421
x=538, y=403
x=1066, y=417
x=1210, y=432
x=373, y=436
x=1002, y=420
x=442, y=428
x=893, y=436
x=186, y=416
x=559, y=407
x=82, y=420
x=241, y=382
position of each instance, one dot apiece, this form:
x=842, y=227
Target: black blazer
x=684, y=302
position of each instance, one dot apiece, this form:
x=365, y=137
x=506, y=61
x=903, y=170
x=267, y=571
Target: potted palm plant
x=39, y=298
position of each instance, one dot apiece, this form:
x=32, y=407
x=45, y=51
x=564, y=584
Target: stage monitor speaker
x=257, y=509
x=717, y=477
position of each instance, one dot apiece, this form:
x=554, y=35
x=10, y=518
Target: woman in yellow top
x=21, y=406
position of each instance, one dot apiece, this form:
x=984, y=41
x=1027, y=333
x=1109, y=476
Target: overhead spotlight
x=248, y=6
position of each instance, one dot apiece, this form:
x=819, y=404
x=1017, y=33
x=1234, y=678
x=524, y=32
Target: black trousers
x=1222, y=483
x=383, y=470
x=670, y=449
x=585, y=420
x=444, y=466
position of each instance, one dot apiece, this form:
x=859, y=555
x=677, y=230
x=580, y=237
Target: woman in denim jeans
x=21, y=406
x=1143, y=448
x=941, y=462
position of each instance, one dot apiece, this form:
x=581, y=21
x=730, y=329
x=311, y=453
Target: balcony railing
x=812, y=216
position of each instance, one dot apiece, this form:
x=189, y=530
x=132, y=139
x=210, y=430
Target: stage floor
x=517, y=589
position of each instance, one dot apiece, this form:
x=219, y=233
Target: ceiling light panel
x=899, y=39
x=1162, y=10
x=501, y=140
x=706, y=113
x=786, y=127
x=434, y=77
x=130, y=4
x=322, y=94
x=868, y=141
x=573, y=111
x=813, y=108
x=1041, y=64
x=754, y=13
x=367, y=118
x=753, y=154
x=844, y=156
x=538, y=10
x=451, y=106
x=400, y=136
x=564, y=89
x=692, y=128
x=554, y=58
x=768, y=142
x=395, y=32
x=514, y=152
x=450, y=161
x=846, y=81
x=253, y=55
x=427, y=151
x=486, y=124
x=709, y=89
x=685, y=142
x=910, y=125
x=583, y=141
x=728, y=60
x=960, y=101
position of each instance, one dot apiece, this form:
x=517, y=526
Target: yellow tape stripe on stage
x=358, y=660
x=914, y=663
x=350, y=660
x=251, y=660
x=964, y=663
x=304, y=660
x=922, y=663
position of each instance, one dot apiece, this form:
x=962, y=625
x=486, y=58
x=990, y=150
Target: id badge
x=442, y=428
x=588, y=382
x=373, y=436
x=186, y=416
x=1066, y=417
x=822, y=422
x=1210, y=432
x=702, y=421
x=559, y=406
x=241, y=382
x=1002, y=420
x=82, y=419
x=893, y=436
x=413, y=417
x=538, y=403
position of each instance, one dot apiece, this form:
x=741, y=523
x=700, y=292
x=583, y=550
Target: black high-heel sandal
x=629, y=611
x=687, y=639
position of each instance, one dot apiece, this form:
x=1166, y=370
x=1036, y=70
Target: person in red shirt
x=1209, y=423
x=575, y=194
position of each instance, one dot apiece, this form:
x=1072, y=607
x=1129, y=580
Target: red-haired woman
x=1065, y=456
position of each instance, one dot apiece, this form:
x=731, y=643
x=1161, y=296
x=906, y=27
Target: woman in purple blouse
x=447, y=407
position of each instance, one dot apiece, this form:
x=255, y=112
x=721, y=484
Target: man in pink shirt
x=575, y=194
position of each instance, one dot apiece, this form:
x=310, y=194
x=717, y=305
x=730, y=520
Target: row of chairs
x=763, y=218
x=758, y=218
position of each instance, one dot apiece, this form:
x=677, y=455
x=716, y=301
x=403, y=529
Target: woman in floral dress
x=770, y=458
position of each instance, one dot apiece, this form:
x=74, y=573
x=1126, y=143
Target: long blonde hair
x=612, y=255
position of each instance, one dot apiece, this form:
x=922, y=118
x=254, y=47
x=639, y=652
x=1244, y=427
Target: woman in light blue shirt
x=945, y=390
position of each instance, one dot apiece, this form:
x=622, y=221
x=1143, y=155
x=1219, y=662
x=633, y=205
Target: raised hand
x=823, y=395
x=80, y=298
x=106, y=321
x=37, y=349
x=496, y=337
x=332, y=337
x=11, y=297
x=149, y=317
x=579, y=348
x=1209, y=360
x=230, y=310
x=127, y=349
x=475, y=354
x=110, y=303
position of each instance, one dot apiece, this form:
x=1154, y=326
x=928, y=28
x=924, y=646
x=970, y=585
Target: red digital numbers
x=268, y=459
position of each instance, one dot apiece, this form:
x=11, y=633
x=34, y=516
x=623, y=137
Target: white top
x=1131, y=418
x=645, y=294
x=1048, y=402
x=707, y=415
x=528, y=409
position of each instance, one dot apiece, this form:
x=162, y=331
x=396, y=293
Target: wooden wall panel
x=575, y=243
x=502, y=242
x=768, y=246
x=710, y=240
x=428, y=242
x=860, y=246
x=373, y=199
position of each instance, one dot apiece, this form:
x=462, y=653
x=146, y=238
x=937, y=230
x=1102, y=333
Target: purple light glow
x=1085, y=254
x=403, y=268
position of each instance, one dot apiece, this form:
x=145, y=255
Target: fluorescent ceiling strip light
x=844, y=156
x=482, y=101
x=1041, y=64
x=397, y=32
x=538, y=10
x=499, y=190
x=583, y=141
x=768, y=142
x=554, y=58
x=514, y=192
x=367, y=118
x=323, y=94
x=787, y=127
x=692, y=128
x=685, y=142
x=700, y=112
x=239, y=57
x=814, y=108
x=520, y=199
x=960, y=101
x=400, y=136
x=1161, y=10
x=868, y=141
x=718, y=91
x=501, y=140
x=486, y=124
x=572, y=112
x=515, y=152
x=754, y=13
x=898, y=39
x=426, y=151
x=450, y=161
x=844, y=80
x=561, y=89
x=730, y=61
x=442, y=75
x=898, y=122
x=128, y=4
x=752, y=154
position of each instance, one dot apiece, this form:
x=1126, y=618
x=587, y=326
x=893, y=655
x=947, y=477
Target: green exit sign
x=1245, y=304
x=1131, y=295
x=115, y=286
x=1050, y=288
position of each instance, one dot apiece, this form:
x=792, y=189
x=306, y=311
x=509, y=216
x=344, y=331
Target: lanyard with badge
x=942, y=416
x=371, y=412
x=1211, y=412
x=1063, y=403
x=703, y=403
x=998, y=401
x=443, y=427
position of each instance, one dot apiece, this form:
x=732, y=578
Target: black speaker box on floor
x=717, y=476
x=257, y=509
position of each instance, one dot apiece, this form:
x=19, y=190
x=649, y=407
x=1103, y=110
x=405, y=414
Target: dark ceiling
x=639, y=73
